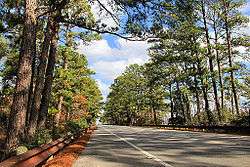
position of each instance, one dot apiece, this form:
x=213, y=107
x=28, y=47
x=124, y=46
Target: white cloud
x=109, y=62
x=96, y=49
x=100, y=50
x=245, y=8
x=103, y=87
x=102, y=15
x=109, y=70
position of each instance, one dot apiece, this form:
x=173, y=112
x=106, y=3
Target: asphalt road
x=116, y=146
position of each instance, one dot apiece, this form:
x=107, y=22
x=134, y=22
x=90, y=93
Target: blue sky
x=110, y=56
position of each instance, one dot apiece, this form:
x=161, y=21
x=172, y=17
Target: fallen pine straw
x=70, y=153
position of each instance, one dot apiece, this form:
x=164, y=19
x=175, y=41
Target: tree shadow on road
x=175, y=148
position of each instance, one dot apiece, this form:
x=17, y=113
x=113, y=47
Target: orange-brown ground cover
x=70, y=153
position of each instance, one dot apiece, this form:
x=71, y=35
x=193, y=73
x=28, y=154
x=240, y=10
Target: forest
x=47, y=88
x=198, y=72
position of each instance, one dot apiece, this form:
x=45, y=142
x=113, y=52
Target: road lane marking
x=147, y=154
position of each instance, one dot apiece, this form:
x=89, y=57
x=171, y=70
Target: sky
x=110, y=56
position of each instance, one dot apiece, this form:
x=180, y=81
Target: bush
x=241, y=121
x=72, y=127
x=76, y=126
x=176, y=121
x=21, y=150
x=57, y=132
x=83, y=123
x=42, y=136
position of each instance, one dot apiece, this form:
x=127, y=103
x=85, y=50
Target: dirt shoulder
x=70, y=153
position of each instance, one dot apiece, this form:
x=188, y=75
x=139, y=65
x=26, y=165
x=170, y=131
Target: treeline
x=200, y=59
x=62, y=96
x=134, y=99
x=44, y=81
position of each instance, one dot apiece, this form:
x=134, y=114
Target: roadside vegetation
x=47, y=89
x=74, y=102
x=198, y=72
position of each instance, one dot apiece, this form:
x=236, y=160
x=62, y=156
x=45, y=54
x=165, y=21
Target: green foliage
x=176, y=79
x=76, y=126
x=74, y=83
x=21, y=150
x=45, y=136
x=41, y=136
x=75, y=94
x=179, y=66
x=82, y=123
x=241, y=121
x=227, y=116
x=52, y=110
x=57, y=132
x=4, y=50
x=132, y=98
x=72, y=127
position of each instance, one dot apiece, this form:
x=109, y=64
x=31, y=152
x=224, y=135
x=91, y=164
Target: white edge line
x=147, y=154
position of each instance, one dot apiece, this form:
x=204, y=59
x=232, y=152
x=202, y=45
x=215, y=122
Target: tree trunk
x=65, y=67
x=40, y=80
x=31, y=90
x=219, y=65
x=210, y=59
x=171, y=102
x=197, y=96
x=59, y=108
x=229, y=48
x=179, y=93
x=20, y=102
x=49, y=76
x=232, y=103
x=188, y=110
x=204, y=91
x=128, y=115
x=207, y=109
x=154, y=114
x=203, y=85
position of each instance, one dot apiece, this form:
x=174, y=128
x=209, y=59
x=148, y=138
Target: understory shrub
x=241, y=121
x=76, y=126
x=42, y=136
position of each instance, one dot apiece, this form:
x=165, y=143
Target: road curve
x=120, y=146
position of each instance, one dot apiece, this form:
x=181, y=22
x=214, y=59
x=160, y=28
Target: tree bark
x=65, y=67
x=232, y=104
x=188, y=110
x=179, y=95
x=49, y=76
x=229, y=48
x=171, y=102
x=203, y=85
x=219, y=65
x=197, y=96
x=154, y=114
x=210, y=59
x=204, y=91
x=59, y=108
x=40, y=80
x=31, y=90
x=20, y=102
